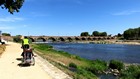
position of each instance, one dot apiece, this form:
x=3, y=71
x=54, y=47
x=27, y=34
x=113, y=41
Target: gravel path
x=10, y=69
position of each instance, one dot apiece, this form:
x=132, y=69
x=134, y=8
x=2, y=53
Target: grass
x=2, y=49
x=132, y=72
x=80, y=68
x=73, y=65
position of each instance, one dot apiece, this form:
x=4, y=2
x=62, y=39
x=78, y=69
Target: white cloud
x=15, y=27
x=6, y=28
x=10, y=19
x=126, y=12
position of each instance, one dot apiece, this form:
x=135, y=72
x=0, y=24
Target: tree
x=6, y=34
x=132, y=34
x=119, y=35
x=126, y=34
x=85, y=34
x=103, y=34
x=95, y=33
x=17, y=38
x=11, y=5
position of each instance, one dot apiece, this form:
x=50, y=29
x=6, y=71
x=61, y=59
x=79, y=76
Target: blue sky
x=71, y=17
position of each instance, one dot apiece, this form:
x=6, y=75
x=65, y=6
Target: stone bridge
x=61, y=38
x=67, y=38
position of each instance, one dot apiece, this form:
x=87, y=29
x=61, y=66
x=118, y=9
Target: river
x=125, y=53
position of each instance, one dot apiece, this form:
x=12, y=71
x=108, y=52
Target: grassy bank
x=2, y=49
x=79, y=68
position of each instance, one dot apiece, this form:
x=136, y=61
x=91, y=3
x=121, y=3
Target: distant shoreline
x=127, y=42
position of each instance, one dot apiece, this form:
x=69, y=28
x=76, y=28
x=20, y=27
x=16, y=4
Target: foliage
x=6, y=34
x=17, y=38
x=132, y=72
x=43, y=47
x=82, y=68
x=119, y=35
x=103, y=34
x=84, y=34
x=11, y=5
x=82, y=73
x=96, y=33
x=2, y=49
x=115, y=64
x=97, y=66
x=73, y=65
x=132, y=34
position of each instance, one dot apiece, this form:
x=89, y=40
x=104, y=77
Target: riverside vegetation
x=80, y=68
x=2, y=49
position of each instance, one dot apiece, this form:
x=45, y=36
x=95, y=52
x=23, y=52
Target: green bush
x=132, y=72
x=44, y=47
x=82, y=73
x=17, y=39
x=97, y=66
x=115, y=64
x=73, y=65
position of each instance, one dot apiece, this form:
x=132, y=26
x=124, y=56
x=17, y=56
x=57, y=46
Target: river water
x=125, y=53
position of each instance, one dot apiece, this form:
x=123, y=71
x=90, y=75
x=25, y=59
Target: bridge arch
x=41, y=39
x=61, y=39
x=31, y=39
x=89, y=39
x=69, y=39
x=100, y=38
x=51, y=39
x=83, y=39
x=77, y=39
x=94, y=38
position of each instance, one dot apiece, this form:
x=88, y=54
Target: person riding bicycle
x=25, y=44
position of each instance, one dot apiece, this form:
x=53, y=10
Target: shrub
x=73, y=65
x=44, y=47
x=115, y=64
x=2, y=49
x=17, y=39
x=84, y=74
x=132, y=72
x=97, y=66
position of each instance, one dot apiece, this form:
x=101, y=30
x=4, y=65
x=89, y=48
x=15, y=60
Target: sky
x=71, y=17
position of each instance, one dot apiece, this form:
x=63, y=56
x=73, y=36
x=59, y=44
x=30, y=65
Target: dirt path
x=9, y=68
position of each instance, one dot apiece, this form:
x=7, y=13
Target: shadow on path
x=21, y=64
x=19, y=59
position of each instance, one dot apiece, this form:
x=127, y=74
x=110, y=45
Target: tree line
x=6, y=34
x=132, y=34
x=94, y=33
x=129, y=34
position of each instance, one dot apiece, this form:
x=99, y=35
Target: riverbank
x=72, y=65
x=75, y=66
x=129, y=42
